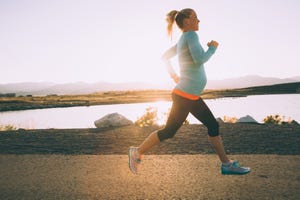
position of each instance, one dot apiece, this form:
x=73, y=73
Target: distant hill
x=46, y=88
x=248, y=81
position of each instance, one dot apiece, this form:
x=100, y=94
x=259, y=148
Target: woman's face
x=191, y=23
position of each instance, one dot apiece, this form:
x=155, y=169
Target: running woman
x=186, y=94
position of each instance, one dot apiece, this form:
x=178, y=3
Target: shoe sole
x=234, y=173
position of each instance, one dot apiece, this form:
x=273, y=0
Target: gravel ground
x=160, y=177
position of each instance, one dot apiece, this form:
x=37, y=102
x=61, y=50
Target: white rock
x=112, y=120
x=247, y=119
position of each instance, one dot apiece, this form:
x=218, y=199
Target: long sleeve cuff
x=212, y=49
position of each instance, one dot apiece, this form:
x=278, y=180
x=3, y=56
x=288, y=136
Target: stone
x=247, y=119
x=112, y=120
x=219, y=120
x=293, y=122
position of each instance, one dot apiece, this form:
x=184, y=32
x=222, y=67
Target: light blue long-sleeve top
x=192, y=57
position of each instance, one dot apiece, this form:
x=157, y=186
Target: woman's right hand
x=213, y=43
x=175, y=78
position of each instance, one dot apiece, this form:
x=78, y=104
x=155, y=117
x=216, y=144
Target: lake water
x=258, y=106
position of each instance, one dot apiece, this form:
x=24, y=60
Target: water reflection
x=83, y=117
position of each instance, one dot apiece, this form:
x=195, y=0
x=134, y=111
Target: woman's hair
x=178, y=17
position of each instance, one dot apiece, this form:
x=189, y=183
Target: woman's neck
x=187, y=30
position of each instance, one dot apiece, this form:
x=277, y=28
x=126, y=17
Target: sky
x=117, y=41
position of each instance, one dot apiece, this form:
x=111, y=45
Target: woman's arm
x=198, y=54
x=169, y=53
x=166, y=57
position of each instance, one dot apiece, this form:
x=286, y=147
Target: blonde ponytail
x=170, y=21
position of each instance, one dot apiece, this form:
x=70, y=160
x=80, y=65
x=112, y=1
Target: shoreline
x=124, y=97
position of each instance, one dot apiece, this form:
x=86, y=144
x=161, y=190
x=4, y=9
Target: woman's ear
x=186, y=22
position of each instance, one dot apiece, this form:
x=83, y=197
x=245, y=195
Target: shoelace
x=236, y=164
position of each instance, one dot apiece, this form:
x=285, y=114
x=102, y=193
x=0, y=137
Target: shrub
x=227, y=119
x=272, y=119
x=149, y=118
x=277, y=119
x=7, y=127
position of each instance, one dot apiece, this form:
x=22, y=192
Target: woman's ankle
x=139, y=152
x=227, y=162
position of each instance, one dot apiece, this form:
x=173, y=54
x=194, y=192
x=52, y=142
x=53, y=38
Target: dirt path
x=161, y=177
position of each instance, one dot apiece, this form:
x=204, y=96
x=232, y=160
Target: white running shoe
x=134, y=159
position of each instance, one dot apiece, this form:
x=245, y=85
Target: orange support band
x=185, y=95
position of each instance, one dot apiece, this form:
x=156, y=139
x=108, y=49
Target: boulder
x=112, y=120
x=247, y=119
x=219, y=120
x=293, y=122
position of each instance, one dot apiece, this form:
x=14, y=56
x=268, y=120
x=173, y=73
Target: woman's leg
x=178, y=113
x=217, y=144
x=148, y=143
x=202, y=112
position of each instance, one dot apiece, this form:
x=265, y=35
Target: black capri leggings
x=181, y=107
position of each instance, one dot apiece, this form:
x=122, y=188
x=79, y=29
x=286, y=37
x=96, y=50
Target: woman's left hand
x=213, y=43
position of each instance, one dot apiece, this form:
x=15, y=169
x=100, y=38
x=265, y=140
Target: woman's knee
x=213, y=130
x=165, y=133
